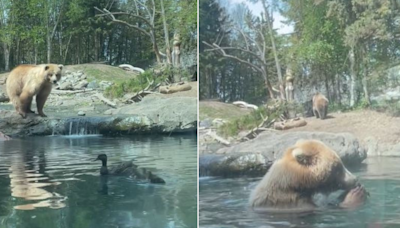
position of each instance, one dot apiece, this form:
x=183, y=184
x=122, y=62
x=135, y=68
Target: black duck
x=128, y=169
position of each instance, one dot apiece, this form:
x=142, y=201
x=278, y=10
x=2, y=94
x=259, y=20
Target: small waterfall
x=81, y=127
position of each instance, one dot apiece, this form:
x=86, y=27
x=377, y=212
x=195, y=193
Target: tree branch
x=233, y=57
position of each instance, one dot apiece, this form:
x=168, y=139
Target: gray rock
x=153, y=115
x=65, y=86
x=177, y=114
x=93, y=85
x=4, y=97
x=81, y=85
x=243, y=158
x=81, y=113
x=105, y=84
x=207, y=123
x=111, y=111
x=218, y=122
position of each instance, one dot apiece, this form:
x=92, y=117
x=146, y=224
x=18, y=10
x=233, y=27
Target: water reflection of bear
x=28, y=180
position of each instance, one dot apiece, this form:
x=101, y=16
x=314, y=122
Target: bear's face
x=317, y=168
x=53, y=72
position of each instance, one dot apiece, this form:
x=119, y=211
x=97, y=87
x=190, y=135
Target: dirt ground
x=363, y=124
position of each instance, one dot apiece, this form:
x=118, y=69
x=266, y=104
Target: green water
x=52, y=182
x=223, y=202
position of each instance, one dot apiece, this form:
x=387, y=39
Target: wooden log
x=284, y=125
x=131, y=68
x=218, y=138
x=245, y=105
x=56, y=91
x=174, y=88
x=105, y=100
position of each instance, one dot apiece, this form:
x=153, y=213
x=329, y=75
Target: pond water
x=53, y=182
x=223, y=202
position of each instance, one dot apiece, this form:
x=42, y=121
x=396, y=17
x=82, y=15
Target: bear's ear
x=60, y=66
x=46, y=67
x=301, y=157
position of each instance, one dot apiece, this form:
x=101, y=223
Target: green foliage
x=252, y=120
x=390, y=107
x=74, y=33
x=133, y=85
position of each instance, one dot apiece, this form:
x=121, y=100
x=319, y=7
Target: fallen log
x=56, y=91
x=243, y=104
x=174, y=88
x=105, y=100
x=218, y=138
x=136, y=97
x=285, y=125
x=131, y=68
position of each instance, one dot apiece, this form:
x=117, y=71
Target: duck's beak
x=96, y=159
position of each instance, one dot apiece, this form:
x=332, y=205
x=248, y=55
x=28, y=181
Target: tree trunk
x=176, y=50
x=365, y=76
x=339, y=97
x=66, y=50
x=48, y=48
x=36, y=53
x=167, y=47
x=6, y=50
x=353, y=75
x=277, y=64
x=155, y=49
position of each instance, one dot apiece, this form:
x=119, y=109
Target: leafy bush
x=133, y=85
x=252, y=120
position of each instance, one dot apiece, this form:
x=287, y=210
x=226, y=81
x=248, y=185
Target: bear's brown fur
x=26, y=81
x=307, y=168
x=320, y=106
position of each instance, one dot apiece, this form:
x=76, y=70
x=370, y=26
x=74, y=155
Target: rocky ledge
x=152, y=115
x=254, y=157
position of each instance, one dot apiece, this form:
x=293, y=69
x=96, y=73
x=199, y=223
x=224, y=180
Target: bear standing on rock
x=307, y=168
x=26, y=81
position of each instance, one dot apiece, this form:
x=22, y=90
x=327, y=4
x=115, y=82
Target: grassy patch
x=215, y=109
x=100, y=72
x=390, y=107
x=119, y=89
x=255, y=118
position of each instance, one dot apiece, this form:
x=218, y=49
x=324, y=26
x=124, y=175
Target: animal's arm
x=354, y=198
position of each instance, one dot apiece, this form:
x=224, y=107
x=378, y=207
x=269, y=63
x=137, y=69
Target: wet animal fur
x=307, y=168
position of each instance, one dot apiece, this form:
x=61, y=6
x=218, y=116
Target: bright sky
x=278, y=18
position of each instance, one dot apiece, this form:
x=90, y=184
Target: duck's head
x=101, y=157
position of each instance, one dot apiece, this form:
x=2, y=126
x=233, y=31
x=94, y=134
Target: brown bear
x=26, y=81
x=320, y=106
x=307, y=168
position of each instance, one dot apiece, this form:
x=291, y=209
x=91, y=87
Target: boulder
x=256, y=156
x=152, y=115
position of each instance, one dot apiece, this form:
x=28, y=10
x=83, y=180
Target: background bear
x=26, y=81
x=307, y=168
x=320, y=105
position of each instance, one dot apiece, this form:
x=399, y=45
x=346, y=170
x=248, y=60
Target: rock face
x=174, y=114
x=256, y=156
x=152, y=115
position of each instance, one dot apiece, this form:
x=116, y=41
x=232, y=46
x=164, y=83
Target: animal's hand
x=355, y=197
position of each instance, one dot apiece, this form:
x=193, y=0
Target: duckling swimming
x=128, y=169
